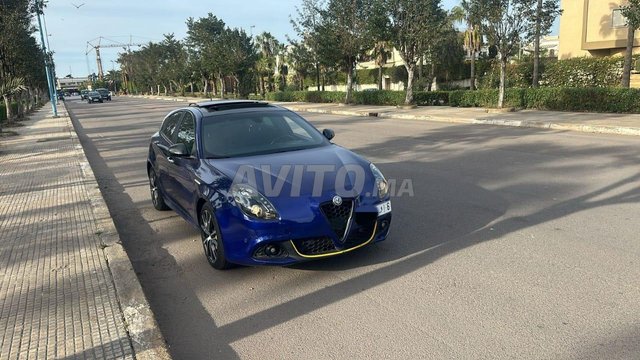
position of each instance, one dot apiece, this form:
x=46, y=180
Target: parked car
x=83, y=94
x=94, y=96
x=242, y=172
x=106, y=95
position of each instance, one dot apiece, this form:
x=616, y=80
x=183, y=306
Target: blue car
x=263, y=186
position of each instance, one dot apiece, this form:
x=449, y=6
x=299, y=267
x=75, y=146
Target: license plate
x=384, y=208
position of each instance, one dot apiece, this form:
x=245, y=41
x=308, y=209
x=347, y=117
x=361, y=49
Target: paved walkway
x=58, y=296
x=623, y=124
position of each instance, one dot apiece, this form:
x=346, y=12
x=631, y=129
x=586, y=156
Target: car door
x=182, y=169
x=167, y=138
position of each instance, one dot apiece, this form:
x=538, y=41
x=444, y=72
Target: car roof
x=226, y=105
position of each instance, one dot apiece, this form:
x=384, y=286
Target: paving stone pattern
x=57, y=297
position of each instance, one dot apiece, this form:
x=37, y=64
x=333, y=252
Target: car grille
x=338, y=216
x=361, y=229
x=315, y=246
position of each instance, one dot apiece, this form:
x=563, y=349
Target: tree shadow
x=472, y=184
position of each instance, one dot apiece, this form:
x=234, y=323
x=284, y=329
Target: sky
x=70, y=28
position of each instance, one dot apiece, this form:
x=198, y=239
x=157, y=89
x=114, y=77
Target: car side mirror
x=328, y=133
x=179, y=150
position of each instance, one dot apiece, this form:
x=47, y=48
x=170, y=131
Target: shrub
x=486, y=98
x=595, y=99
x=584, y=72
x=379, y=97
x=376, y=97
x=3, y=110
x=430, y=98
x=617, y=100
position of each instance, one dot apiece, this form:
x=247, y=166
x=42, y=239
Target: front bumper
x=250, y=242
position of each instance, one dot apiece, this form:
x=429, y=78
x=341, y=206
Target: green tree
x=22, y=60
x=268, y=47
x=468, y=13
x=8, y=88
x=346, y=34
x=306, y=25
x=204, y=38
x=380, y=30
x=545, y=14
x=301, y=61
x=413, y=23
x=631, y=12
x=505, y=23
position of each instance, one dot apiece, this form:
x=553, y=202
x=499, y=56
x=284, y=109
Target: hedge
x=377, y=97
x=610, y=100
x=486, y=98
x=595, y=99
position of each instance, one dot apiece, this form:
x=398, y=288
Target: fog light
x=272, y=250
x=384, y=224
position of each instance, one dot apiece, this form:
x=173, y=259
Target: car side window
x=187, y=133
x=170, y=125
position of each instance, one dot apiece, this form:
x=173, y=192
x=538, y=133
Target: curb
x=140, y=322
x=594, y=129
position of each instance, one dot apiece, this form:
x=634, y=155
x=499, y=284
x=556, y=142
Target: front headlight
x=252, y=203
x=382, y=186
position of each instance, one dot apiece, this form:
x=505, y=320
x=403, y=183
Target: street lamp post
x=52, y=88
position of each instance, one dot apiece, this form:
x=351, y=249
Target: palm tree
x=10, y=86
x=268, y=48
x=467, y=13
x=381, y=53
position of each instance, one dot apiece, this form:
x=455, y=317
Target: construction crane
x=96, y=44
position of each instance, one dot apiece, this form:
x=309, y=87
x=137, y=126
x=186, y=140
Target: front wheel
x=211, y=240
x=156, y=195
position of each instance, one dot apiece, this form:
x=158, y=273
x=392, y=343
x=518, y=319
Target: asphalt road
x=517, y=243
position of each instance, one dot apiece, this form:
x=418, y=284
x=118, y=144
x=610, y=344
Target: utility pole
x=53, y=96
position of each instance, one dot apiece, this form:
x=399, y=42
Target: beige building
x=593, y=28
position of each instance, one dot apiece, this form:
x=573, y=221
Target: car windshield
x=257, y=133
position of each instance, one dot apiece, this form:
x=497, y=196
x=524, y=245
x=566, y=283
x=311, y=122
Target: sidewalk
x=621, y=124
x=67, y=288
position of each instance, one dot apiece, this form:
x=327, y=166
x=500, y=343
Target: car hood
x=318, y=173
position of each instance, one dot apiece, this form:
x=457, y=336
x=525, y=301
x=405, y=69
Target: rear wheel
x=211, y=240
x=156, y=195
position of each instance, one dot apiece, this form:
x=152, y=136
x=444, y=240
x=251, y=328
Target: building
x=548, y=46
x=71, y=83
x=593, y=28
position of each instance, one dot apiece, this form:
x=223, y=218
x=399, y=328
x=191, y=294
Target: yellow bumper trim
x=375, y=227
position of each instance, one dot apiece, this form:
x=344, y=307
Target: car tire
x=101, y=101
x=211, y=239
x=156, y=195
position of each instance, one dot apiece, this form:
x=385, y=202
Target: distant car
x=94, y=96
x=105, y=94
x=193, y=166
x=83, y=94
x=60, y=96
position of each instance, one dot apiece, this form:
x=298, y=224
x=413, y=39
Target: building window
x=617, y=19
